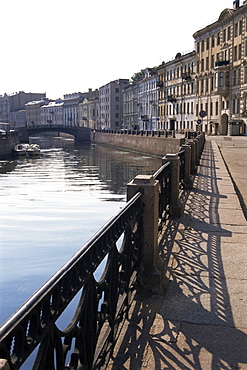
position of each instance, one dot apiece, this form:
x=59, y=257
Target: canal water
x=51, y=205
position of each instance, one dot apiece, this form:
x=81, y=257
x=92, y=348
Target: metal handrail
x=102, y=306
x=163, y=175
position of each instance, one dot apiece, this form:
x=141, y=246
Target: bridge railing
x=124, y=251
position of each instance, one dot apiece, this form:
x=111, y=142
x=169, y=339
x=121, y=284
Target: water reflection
x=53, y=204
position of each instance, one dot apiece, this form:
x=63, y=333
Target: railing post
x=176, y=208
x=153, y=276
x=193, y=156
x=188, y=181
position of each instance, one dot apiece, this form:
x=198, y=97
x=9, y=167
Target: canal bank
x=144, y=142
x=7, y=144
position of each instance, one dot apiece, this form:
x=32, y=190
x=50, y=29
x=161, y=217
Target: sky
x=60, y=47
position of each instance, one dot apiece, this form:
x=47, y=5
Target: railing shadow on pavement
x=193, y=326
x=105, y=302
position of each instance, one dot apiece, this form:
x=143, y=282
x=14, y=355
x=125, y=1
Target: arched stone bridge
x=80, y=133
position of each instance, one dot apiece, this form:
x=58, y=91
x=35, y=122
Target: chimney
x=235, y=4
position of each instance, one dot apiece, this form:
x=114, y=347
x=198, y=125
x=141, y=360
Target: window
x=207, y=43
x=211, y=108
x=227, y=79
x=245, y=75
x=191, y=108
x=240, y=27
x=197, y=66
x=235, y=53
x=216, y=108
x=202, y=86
x=228, y=33
x=207, y=63
x=218, y=38
x=198, y=48
x=224, y=35
x=202, y=65
x=234, y=77
x=212, y=61
x=226, y=54
x=202, y=45
x=117, y=90
x=236, y=30
x=221, y=82
x=212, y=83
x=212, y=41
x=239, y=51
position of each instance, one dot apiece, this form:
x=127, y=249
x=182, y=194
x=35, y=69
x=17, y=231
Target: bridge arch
x=81, y=134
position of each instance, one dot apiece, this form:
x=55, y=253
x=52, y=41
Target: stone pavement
x=201, y=321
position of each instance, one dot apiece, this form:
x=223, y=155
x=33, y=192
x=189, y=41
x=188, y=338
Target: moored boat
x=33, y=150
x=20, y=150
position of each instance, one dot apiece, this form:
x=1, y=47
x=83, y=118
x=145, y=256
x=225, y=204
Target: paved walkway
x=201, y=321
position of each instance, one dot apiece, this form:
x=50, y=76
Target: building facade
x=176, y=93
x=111, y=104
x=71, y=103
x=14, y=103
x=148, y=100
x=221, y=72
x=52, y=114
x=33, y=114
x=89, y=111
x=130, y=112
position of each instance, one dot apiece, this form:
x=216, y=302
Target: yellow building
x=221, y=73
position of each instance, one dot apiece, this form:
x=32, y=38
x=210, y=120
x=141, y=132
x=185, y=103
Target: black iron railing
x=88, y=340
x=163, y=175
x=181, y=155
x=99, y=306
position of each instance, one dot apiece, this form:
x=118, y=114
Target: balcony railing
x=222, y=63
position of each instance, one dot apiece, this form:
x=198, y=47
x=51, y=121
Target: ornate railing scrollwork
x=163, y=175
x=88, y=340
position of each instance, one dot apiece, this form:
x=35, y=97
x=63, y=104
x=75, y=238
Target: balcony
x=160, y=84
x=171, y=99
x=145, y=117
x=222, y=63
x=186, y=76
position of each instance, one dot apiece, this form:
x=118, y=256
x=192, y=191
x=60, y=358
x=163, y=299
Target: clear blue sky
x=60, y=47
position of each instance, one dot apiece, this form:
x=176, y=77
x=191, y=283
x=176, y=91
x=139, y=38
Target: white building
x=148, y=100
x=52, y=114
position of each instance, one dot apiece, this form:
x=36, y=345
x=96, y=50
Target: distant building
x=177, y=93
x=148, y=100
x=111, y=104
x=89, y=111
x=33, y=115
x=52, y=113
x=71, y=103
x=130, y=112
x=221, y=72
x=14, y=103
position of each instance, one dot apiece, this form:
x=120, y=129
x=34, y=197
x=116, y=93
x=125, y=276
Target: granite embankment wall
x=153, y=145
x=7, y=145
